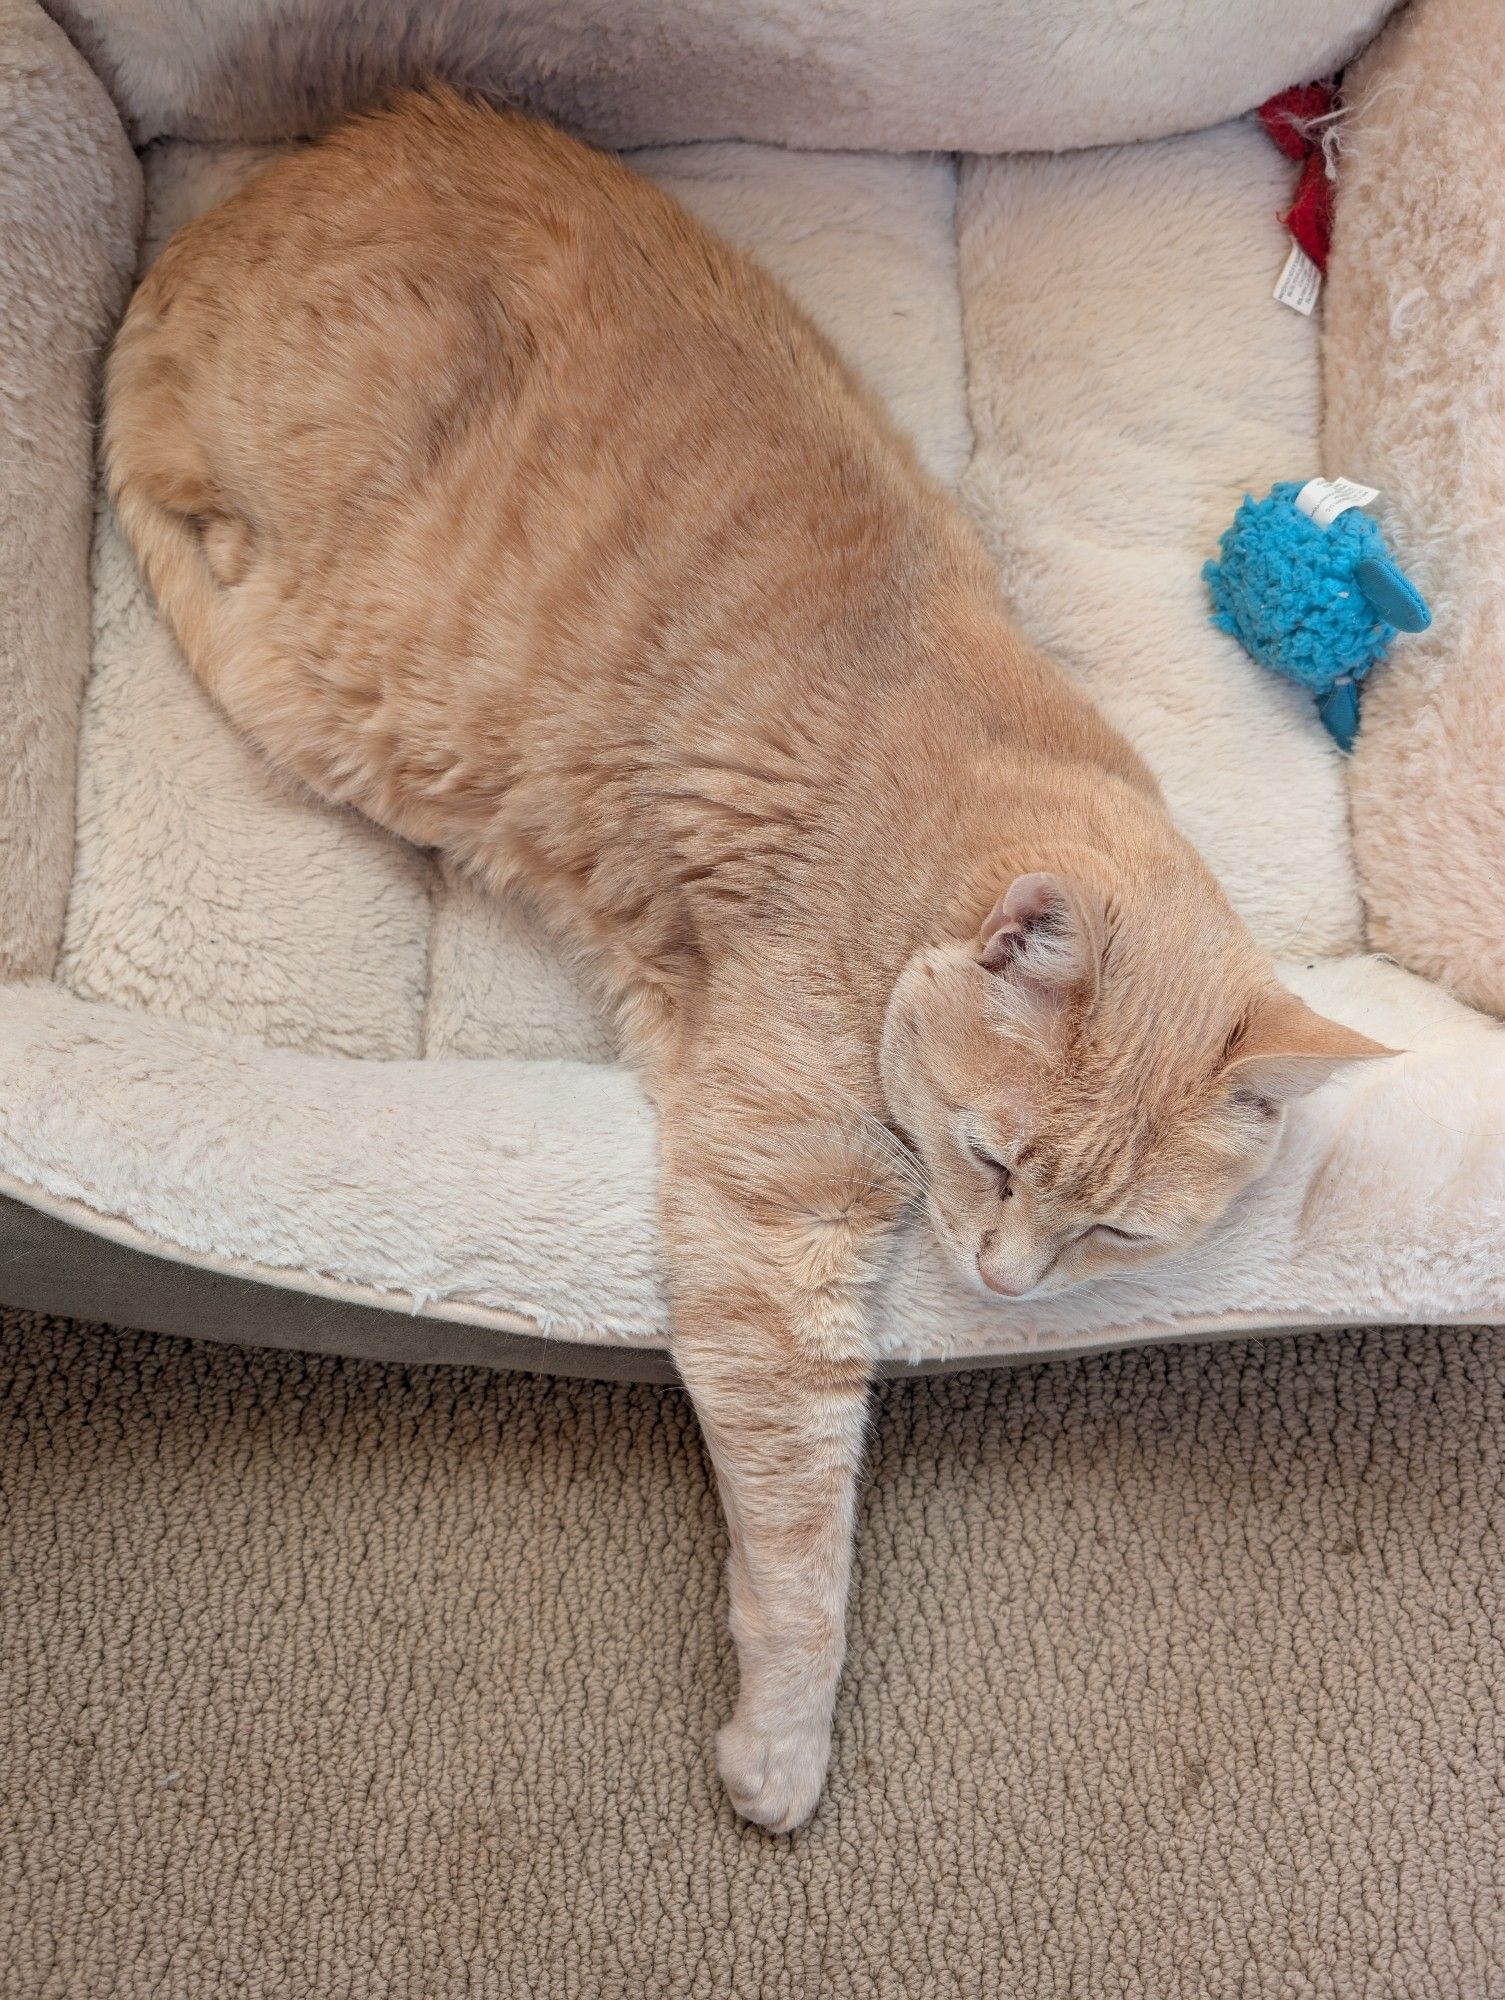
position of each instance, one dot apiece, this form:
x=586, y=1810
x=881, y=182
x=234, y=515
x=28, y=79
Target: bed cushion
x=281, y=1045
x=985, y=75
x=1116, y=430
x=70, y=208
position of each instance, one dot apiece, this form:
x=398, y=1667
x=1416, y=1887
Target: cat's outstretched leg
x=785, y=1431
x=772, y=1238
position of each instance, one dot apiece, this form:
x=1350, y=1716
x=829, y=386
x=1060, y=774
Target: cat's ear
x=1285, y=1049
x=1044, y=934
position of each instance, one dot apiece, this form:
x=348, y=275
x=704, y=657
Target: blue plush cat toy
x=1306, y=584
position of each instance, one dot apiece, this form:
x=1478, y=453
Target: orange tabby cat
x=494, y=496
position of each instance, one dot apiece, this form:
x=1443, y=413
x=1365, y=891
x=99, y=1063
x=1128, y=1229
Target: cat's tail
x=190, y=539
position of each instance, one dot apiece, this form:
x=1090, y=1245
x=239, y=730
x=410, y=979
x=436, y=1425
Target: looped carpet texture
x=1174, y=1673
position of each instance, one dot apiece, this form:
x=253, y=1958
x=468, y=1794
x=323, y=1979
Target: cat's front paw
x=774, y=1768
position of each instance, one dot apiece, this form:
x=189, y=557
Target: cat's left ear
x=1044, y=934
x=1286, y=1049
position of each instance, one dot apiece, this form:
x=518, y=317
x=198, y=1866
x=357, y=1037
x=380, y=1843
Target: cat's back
x=378, y=307
x=309, y=321
x=465, y=463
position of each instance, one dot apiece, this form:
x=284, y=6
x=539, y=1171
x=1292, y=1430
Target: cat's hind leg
x=192, y=541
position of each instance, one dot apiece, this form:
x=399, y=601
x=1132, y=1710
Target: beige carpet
x=1174, y=1674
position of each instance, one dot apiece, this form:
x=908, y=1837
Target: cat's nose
x=1006, y=1287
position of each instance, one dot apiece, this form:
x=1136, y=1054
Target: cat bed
x=252, y=1047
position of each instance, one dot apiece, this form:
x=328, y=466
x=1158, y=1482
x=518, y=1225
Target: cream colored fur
x=867, y=245
x=1414, y=371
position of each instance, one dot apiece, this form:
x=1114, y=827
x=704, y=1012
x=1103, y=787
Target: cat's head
x=1091, y=1080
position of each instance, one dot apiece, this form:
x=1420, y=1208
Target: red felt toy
x=1296, y=120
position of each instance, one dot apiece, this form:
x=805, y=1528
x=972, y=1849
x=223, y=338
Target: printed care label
x=1299, y=282
x=1323, y=500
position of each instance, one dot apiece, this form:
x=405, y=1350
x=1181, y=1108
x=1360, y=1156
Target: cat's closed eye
x=1118, y=1235
x=996, y=1167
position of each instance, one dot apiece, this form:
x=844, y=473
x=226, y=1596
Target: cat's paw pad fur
x=774, y=1769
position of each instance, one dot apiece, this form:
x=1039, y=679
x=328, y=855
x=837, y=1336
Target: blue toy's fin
x=1339, y=709
x=1392, y=594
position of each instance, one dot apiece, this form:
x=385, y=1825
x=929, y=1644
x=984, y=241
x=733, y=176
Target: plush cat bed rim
x=100, y=1269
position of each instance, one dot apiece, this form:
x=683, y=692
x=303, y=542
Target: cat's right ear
x=1042, y=934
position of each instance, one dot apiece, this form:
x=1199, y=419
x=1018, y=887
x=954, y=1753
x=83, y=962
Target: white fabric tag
x=1299, y=282
x=1323, y=500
